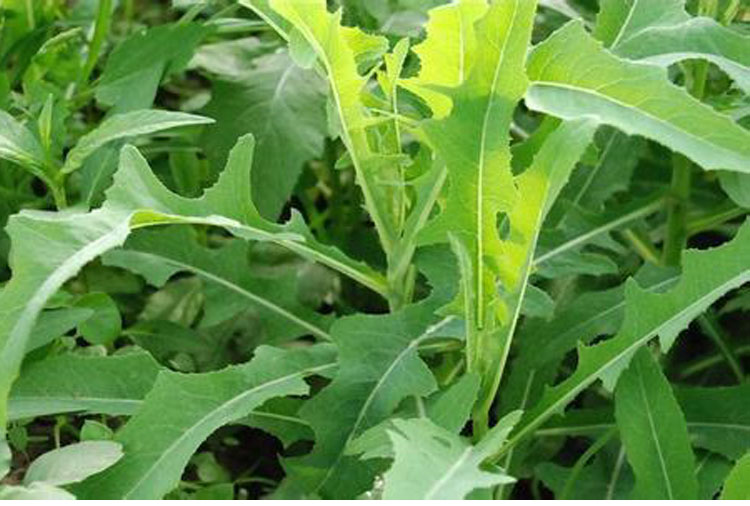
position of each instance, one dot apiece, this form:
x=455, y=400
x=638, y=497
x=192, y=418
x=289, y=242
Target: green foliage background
x=398, y=249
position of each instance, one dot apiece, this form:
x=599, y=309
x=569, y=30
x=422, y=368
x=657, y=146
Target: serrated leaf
x=573, y=76
x=707, y=275
x=160, y=439
x=73, y=463
x=431, y=463
x=662, y=32
x=653, y=431
x=136, y=200
x=125, y=125
x=473, y=141
x=69, y=383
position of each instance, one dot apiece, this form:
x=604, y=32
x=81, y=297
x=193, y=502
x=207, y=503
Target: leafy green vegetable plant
x=438, y=250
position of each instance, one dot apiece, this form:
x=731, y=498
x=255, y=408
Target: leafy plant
x=412, y=250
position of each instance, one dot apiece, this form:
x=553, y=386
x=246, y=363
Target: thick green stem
x=696, y=74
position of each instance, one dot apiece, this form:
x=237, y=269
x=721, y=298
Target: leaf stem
x=583, y=460
x=710, y=326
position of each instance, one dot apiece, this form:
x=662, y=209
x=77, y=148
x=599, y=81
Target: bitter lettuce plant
x=505, y=221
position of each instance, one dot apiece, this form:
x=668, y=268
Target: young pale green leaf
x=573, y=76
x=379, y=367
x=125, y=125
x=276, y=299
x=283, y=106
x=707, y=275
x=431, y=463
x=447, y=53
x=662, y=32
x=19, y=145
x=136, y=200
x=160, y=439
x=653, y=431
x=112, y=385
x=73, y=463
x=539, y=187
x=340, y=50
x=473, y=141
x=737, y=486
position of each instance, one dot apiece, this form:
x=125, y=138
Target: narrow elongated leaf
x=663, y=33
x=573, y=76
x=66, y=384
x=130, y=124
x=73, y=463
x=473, y=140
x=160, y=439
x=379, y=367
x=653, y=431
x=277, y=299
x=707, y=275
x=431, y=463
x=49, y=248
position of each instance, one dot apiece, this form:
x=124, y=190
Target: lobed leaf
x=162, y=436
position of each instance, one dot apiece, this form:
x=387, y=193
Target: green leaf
x=73, y=463
x=737, y=486
x=160, y=439
x=136, y=67
x=573, y=76
x=37, y=491
x=473, y=141
x=432, y=463
x=662, y=32
x=19, y=145
x=447, y=53
x=136, y=200
x=718, y=418
x=707, y=275
x=340, y=51
x=283, y=106
x=653, y=431
x=105, y=324
x=275, y=299
x=379, y=366
x=737, y=186
x=130, y=124
x=55, y=323
x=68, y=383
